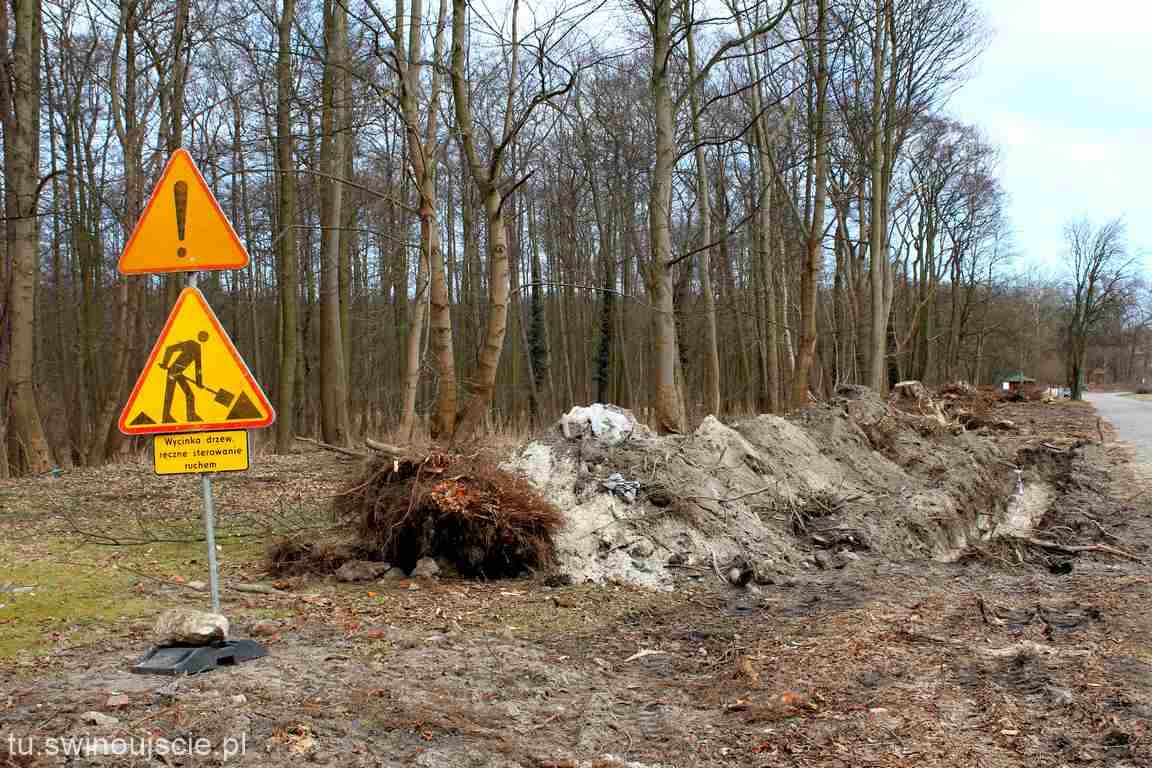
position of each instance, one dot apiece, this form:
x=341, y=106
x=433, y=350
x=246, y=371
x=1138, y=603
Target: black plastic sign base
x=192, y=659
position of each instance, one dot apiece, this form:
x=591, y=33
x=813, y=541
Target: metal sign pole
x=210, y=538
x=209, y=516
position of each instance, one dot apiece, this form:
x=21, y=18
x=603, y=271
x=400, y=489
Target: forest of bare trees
x=464, y=217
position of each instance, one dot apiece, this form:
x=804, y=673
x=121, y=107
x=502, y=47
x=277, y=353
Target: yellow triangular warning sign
x=182, y=228
x=195, y=380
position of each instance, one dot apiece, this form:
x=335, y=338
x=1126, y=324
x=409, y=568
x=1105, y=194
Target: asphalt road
x=1132, y=419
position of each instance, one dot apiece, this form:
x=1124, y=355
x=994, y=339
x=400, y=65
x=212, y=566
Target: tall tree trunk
x=607, y=340
x=334, y=424
x=20, y=111
x=349, y=243
x=537, y=324
x=489, y=183
x=287, y=258
x=668, y=403
x=814, y=258
x=422, y=156
x=711, y=342
x=877, y=245
x=488, y=362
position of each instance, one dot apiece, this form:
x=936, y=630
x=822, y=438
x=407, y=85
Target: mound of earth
x=771, y=494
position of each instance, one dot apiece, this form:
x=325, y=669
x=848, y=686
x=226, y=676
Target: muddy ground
x=992, y=660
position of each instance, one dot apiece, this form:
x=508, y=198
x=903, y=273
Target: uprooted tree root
x=487, y=522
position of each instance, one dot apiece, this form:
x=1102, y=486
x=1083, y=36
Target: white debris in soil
x=1025, y=510
x=593, y=546
x=609, y=424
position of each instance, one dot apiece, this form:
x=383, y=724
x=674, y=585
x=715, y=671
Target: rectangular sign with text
x=196, y=452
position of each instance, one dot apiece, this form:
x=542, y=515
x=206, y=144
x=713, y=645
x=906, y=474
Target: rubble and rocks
x=362, y=570
x=264, y=629
x=184, y=626
x=290, y=556
x=100, y=720
x=625, y=489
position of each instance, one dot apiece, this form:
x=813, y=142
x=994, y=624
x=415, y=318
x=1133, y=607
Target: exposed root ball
x=487, y=522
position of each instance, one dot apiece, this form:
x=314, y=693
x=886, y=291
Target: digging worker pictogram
x=187, y=354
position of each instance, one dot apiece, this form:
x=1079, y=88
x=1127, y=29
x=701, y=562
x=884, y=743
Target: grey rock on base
x=426, y=568
x=184, y=626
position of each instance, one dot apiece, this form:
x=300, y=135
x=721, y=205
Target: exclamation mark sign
x=181, y=191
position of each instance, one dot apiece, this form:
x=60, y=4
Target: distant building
x=1016, y=381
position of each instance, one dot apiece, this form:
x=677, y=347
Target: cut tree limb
x=334, y=448
x=1075, y=549
x=391, y=450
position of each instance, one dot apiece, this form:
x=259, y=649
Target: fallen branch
x=334, y=448
x=391, y=450
x=730, y=499
x=1103, y=531
x=1075, y=549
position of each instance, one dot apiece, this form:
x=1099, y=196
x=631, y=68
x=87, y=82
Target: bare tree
x=287, y=259
x=420, y=111
x=1101, y=276
x=334, y=421
x=487, y=169
x=21, y=30
x=665, y=33
x=814, y=251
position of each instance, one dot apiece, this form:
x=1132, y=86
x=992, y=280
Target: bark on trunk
x=814, y=260
x=334, y=425
x=711, y=343
x=286, y=256
x=669, y=413
x=20, y=109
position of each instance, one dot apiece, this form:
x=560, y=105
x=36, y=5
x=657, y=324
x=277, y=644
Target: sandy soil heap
x=857, y=474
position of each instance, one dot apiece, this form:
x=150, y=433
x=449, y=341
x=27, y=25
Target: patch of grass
x=69, y=605
x=1136, y=396
x=87, y=593
x=84, y=593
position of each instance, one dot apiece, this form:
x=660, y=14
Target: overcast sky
x=1065, y=91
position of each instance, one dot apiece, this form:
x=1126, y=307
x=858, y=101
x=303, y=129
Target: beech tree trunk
x=669, y=411
x=287, y=259
x=334, y=423
x=711, y=342
x=21, y=22
x=814, y=257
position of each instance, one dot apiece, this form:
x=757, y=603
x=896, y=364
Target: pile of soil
x=855, y=474
x=898, y=479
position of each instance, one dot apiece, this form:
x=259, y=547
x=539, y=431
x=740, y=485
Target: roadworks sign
x=199, y=452
x=195, y=380
x=183, y=228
